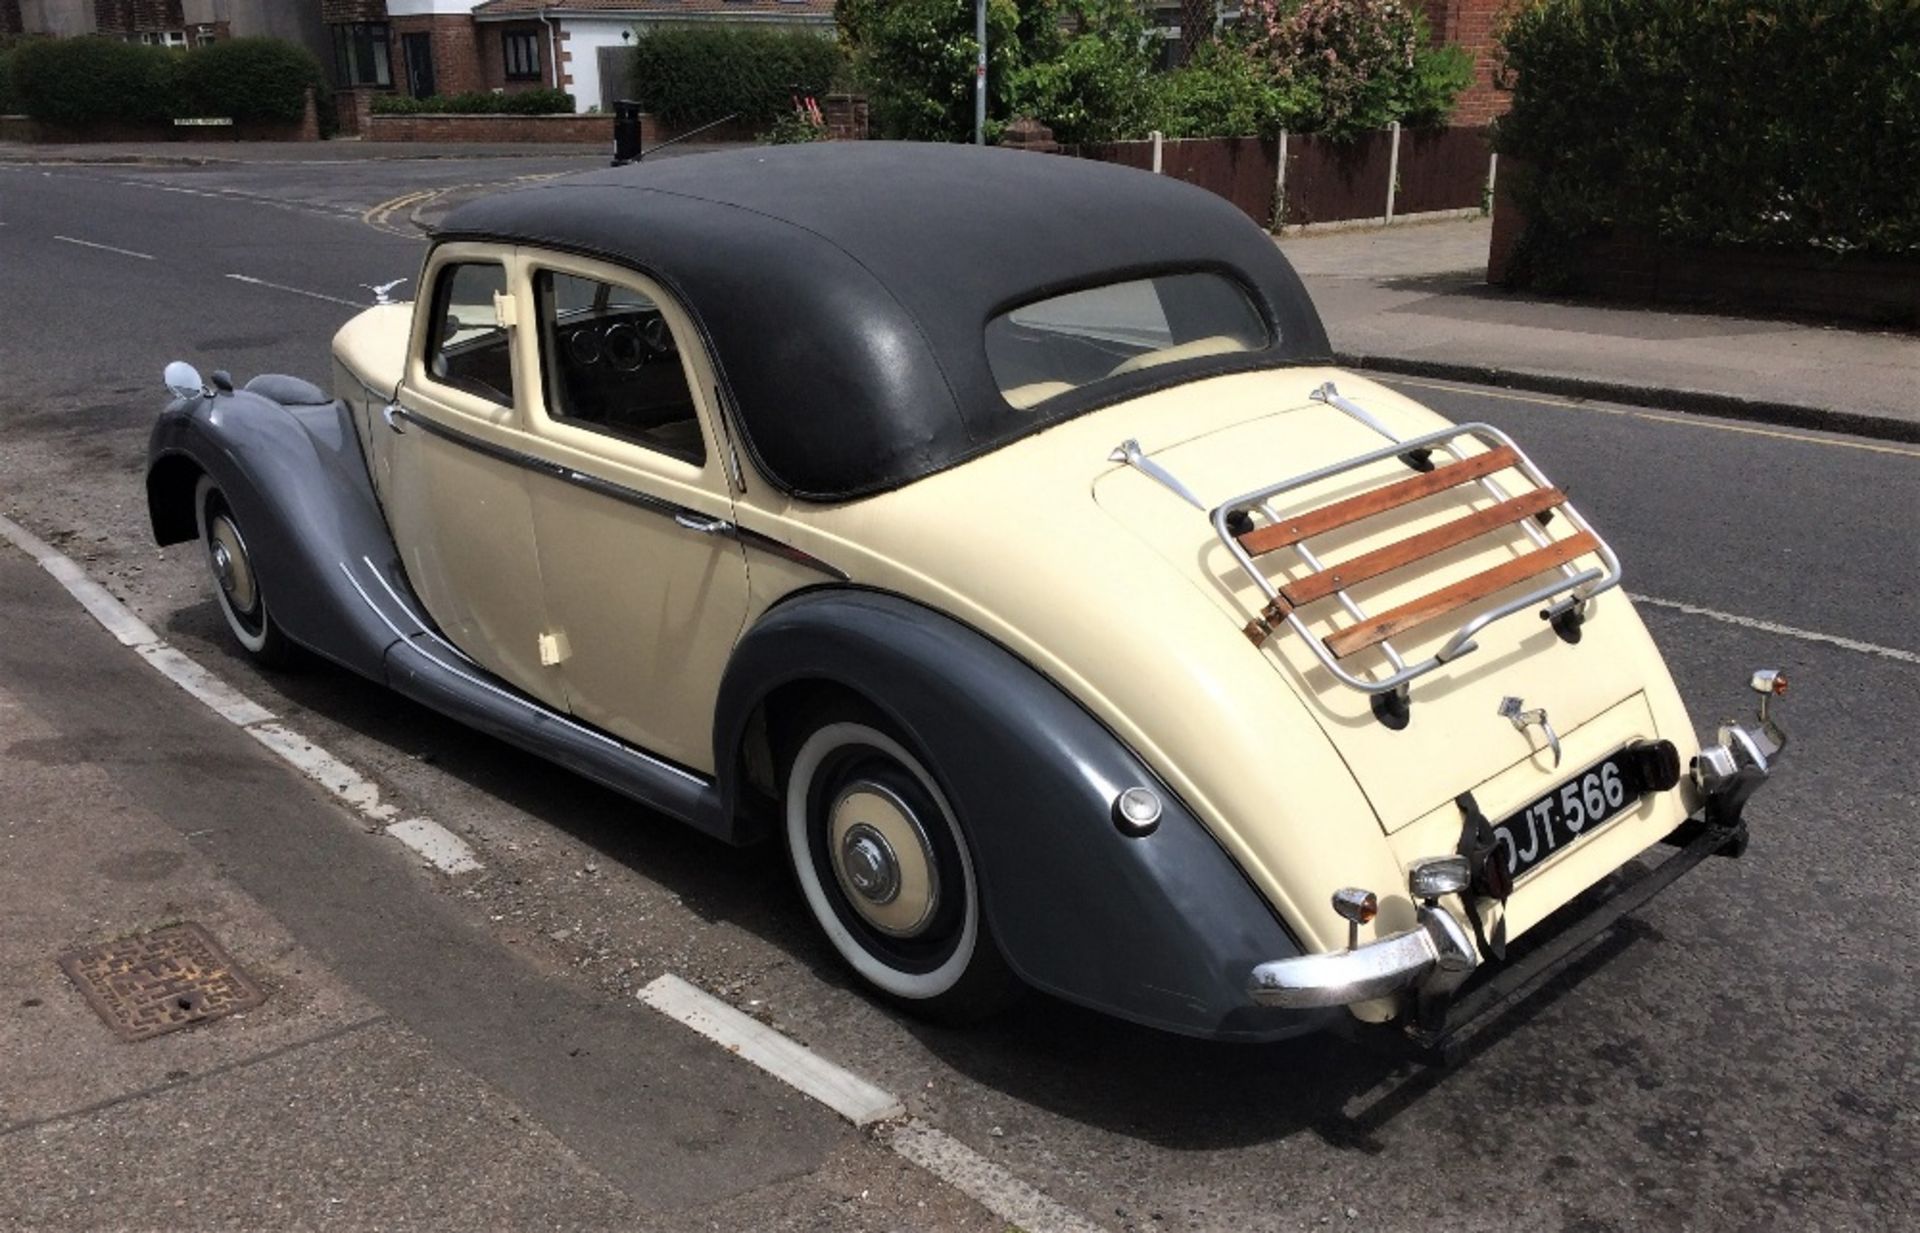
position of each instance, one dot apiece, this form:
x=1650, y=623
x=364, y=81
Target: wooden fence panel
x=1329, y=181
x=1237, y=168
x=1442, y=169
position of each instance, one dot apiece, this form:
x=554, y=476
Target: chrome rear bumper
x=1437, y=954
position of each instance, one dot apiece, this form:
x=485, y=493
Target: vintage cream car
x=989, y=529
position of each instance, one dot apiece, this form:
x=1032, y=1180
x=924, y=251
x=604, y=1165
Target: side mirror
x=183, y=380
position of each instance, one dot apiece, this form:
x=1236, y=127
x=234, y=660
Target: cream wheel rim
x=231, y=567
x=882, y=859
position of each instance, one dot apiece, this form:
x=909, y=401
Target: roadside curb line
x=1696, y=402
x=865, y=1106
x=432, y=842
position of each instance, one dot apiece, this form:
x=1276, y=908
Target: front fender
x=1162, y=930
x=295, y=479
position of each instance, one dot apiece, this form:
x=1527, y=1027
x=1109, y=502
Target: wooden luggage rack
x=1252, y=526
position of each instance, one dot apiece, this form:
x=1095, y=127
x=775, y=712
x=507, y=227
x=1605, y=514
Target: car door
x=646, y=583
x=453, y=479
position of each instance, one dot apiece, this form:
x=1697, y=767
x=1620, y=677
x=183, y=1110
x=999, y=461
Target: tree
x=915, y=60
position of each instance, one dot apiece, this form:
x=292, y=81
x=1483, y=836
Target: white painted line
x=863, y=1104
x=105, y=248
x=324, y=769
x=794, y=1064
x=110, y=612
x=220, y=698
x=1771, y=627
x=311, y=295
x=995, y=1189
x=439, y=846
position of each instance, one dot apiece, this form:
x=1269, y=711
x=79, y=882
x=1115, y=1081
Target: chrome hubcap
x=882, y=859
x=231, y=569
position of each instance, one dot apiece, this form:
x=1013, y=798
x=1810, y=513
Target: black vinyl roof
x=844, y=287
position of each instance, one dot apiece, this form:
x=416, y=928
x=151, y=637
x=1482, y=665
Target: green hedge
x=250, y=79
x=95, y=80
x=1773, y=123
x=9, y=102
x=692, y=75
x=478, y=103
x=88, y=80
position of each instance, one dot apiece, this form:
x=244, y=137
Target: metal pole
x=980, y=73
x=1393, y=171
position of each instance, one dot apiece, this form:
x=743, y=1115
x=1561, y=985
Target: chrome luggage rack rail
x=1250, y=526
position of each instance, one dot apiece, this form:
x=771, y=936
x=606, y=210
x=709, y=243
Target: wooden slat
x=1391, y=623
x=1414, y=548
x=1379, y=500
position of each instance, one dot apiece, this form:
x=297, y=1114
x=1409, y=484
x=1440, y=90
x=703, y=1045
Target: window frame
x=620, y=449
x=526, y=41
x=429, y=320
x=379, y=48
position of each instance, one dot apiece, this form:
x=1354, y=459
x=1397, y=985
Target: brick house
x=423, y=47
x=169, y=23
x=1470, y=24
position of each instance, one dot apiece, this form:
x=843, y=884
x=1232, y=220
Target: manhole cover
x=156, y=982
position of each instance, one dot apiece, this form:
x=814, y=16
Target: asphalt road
x=1741, y=1057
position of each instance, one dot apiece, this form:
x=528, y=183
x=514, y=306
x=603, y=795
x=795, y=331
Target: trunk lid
x=1457, y=737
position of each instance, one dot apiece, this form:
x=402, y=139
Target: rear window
x=1048, y=348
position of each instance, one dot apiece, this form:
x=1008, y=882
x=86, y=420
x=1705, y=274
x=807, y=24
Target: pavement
x=341, y=150
x=1414, y=299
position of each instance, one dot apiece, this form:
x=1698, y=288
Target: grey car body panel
x=1161, y=930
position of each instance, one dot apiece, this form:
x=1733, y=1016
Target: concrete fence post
x=1393, y=170
x=1280, y=183
x=1493, y=177
x=1155, y=135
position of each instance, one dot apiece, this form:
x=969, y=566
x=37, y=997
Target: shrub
x=915, y=61
x=1226, y=90
x=542, y=102
x=87, y=80
x=1793, y=123
x=1097, y=84
x=8, y=103
x=1368, y=63
x=250, y=79
x=788, y=129
x=694, y=75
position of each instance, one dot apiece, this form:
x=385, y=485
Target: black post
x=626, y=132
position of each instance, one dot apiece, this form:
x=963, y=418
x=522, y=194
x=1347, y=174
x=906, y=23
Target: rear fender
x=1162, y=930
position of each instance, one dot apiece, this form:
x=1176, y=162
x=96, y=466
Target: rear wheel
x=886, y=869
x=236, y=584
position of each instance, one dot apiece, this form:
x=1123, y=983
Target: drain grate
x=158, y=982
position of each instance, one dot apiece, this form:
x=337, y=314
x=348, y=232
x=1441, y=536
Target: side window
x=611, y=365
x=468, y=350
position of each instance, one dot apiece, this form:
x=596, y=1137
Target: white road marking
x=439, y=846
x=105, y=248
x=995, y=1189
x=1789, y=631
x=793, y=1064
x=312, y=295
x=863, y=1104
x=434, y=842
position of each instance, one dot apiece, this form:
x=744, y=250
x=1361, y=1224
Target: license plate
x=1584, y=803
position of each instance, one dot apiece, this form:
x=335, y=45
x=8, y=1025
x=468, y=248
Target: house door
x=418, y=49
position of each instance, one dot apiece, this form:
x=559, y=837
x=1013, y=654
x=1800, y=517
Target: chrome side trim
x=526, y=703
x=691, y=519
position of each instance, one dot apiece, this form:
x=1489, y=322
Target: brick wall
x=590, y=130
x=1471, y=25
x=493, y=54
x=332, y=11
x=456, y=70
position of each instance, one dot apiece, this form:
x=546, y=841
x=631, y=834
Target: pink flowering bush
x=1367, y=62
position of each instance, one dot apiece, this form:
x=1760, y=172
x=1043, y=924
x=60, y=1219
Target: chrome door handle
x=392, y=414
x=703, y=524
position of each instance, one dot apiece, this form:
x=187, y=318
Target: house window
x=523, y=55
x=360, y=53
x=164, y=38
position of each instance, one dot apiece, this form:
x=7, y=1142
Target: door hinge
x=506, y=311
x=553, y=649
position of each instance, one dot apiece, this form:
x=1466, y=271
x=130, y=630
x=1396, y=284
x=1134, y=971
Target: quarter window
x=523, y=56
x=613, y=366
x=469, y=350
